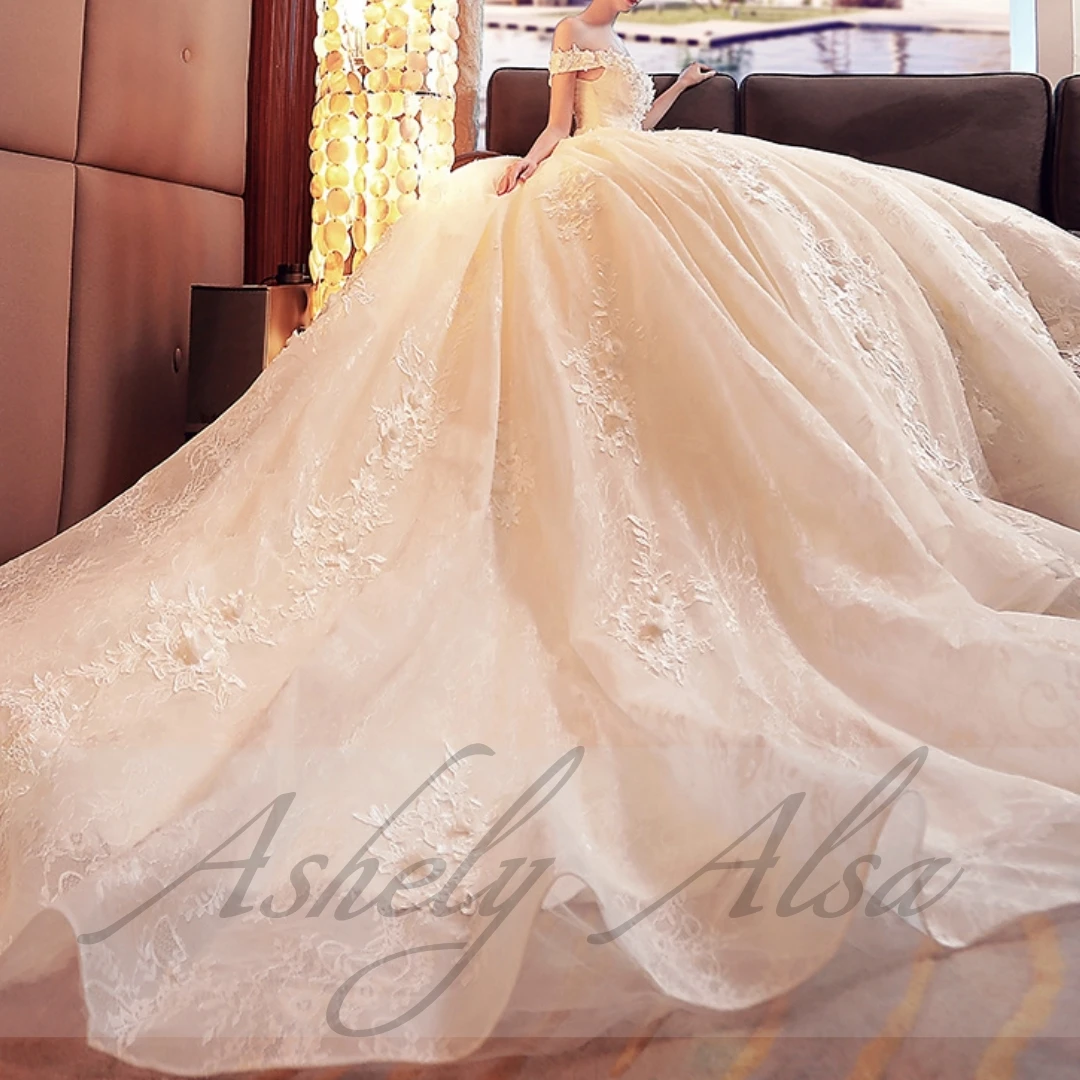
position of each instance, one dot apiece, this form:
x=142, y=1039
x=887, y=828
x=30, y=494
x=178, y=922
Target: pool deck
x=944, y=15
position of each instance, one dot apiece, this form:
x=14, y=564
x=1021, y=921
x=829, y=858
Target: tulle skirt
x=625, y=586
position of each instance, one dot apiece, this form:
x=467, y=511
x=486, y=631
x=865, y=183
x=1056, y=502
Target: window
x=814, y=36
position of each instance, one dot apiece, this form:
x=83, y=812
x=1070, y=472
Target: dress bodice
x=619, y=98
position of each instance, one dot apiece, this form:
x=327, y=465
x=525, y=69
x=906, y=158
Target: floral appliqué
x=446, y=821
x=330, y=534
x=38, y=717
x=597, y=376
x=572, y=203
x=408, y=426
x=600, y=102
x=1062, y=318
x=511, y=482
x=653, y=616
x=186, y=643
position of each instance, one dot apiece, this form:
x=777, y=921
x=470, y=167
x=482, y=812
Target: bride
x=659, y=563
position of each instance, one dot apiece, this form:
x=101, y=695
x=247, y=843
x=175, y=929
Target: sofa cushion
x=1066, y=170
x=517, y=107
x=709, y=106
x=989, y=133
x=37, y=202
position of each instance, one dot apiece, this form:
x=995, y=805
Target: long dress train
x=642, y=520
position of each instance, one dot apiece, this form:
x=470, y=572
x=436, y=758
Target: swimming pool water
x=841, y=50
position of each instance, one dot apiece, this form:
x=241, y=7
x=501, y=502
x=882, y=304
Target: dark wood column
x=281, y=96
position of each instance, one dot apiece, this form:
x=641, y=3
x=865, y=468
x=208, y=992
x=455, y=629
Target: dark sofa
x=1009, y=135
x=1065, y=168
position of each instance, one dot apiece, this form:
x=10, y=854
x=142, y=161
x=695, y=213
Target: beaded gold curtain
x=388, y=121
x=282, y=92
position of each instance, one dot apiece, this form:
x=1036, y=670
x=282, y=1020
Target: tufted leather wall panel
x=140, y=245
x=164, y=88
x=37, y=205
x=40, y=67
x=124, y=126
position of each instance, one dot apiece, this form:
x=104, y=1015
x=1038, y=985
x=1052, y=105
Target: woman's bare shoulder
x=568, y=33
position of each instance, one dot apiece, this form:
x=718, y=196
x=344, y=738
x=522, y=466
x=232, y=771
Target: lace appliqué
x=328, y=538
x=652, y=618
x=1062, y=319
x=329, y=535
x=1027, y=524
x=575, y=58
x=407, y=427
x=597, y=377
x=842, y=281
x=624, y=104
x=512, y=481
x=357, y=291
x=573, y=203
x=642, y=87
x=43, y=572
x=187, y=644
x=353, y=294
x=446, y=821
x=38, y=718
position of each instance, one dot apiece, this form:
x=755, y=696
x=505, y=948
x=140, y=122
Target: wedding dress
x=697, y=484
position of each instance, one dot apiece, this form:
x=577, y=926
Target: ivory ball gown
x=699, y=484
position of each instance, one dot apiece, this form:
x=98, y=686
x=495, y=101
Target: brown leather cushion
x=517, y=107
x=709, y=106
x=164, y=90
x=139, y=246
x=41, y=65
x=37, y=203
x=988, y=133
x=1066, y=172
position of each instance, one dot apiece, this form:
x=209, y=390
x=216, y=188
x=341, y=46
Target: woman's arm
x=690, y=76
x=560, y=119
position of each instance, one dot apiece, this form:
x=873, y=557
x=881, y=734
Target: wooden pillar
x=470, y=43
x=281, y=95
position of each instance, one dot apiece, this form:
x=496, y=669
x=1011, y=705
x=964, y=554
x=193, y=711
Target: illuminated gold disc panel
x=383, y=126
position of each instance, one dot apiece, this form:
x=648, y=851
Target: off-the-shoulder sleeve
x=573, y=59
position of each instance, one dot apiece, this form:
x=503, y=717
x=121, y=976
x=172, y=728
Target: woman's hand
x=517, y=172
x=693, y=74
